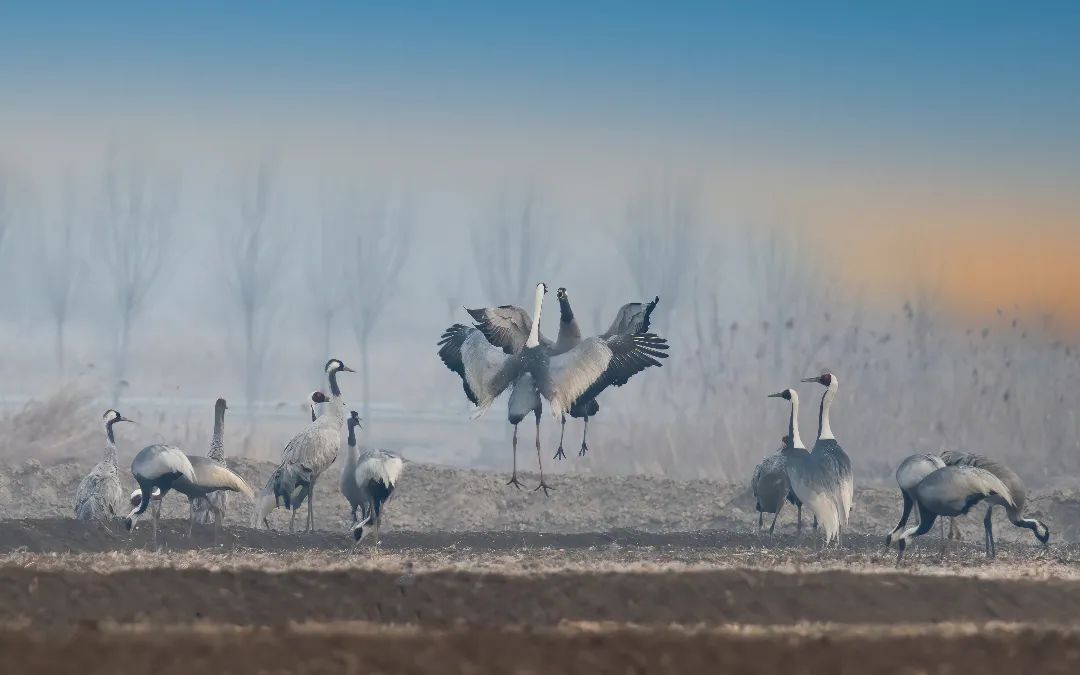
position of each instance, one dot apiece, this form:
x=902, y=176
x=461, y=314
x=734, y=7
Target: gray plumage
x=771, y=487
x=157, y=466
x=910, y=473
x=953, y=491
x=632, y=318
x=485, y=370
x=368, y=481
x=99, y=496
x=812, y=487
x=307, y=455
x=1016, y=488
x=827, y=453
x=205, y=508
x=507, y=328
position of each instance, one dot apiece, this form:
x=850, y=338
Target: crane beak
x=810, y=379
x=124, y=419
x=346, y=369
x=779, y=395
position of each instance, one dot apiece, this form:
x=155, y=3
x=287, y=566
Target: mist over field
x=172, y=231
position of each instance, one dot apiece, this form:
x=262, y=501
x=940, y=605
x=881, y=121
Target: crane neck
x=569, y=331
x=110, y=443
x=335, y=391
x=217, y=442
x=534, y=330
x=824, y=430
x=793, y=424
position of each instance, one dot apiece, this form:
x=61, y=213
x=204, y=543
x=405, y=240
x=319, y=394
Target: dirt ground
x=606, y=575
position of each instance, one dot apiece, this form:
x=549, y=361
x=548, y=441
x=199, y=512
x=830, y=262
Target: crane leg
x=292, y=520
x=513, y=477
x=772, y=527
x=943, y=539
x=760, y=515
x=988, y=526
x=311, y=507
x=799, y=529
x=584, y=434
x=191, y=520
x=543, y=485
x=560, y=454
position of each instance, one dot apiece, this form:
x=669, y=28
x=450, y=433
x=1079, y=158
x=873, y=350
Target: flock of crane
x=502, y=350
x=368, y=478
x=822, y=480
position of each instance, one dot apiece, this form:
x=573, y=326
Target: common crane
x=589, y=368
x=204, y=508
x=828, y=454
x=1016, y=488
x=99, y=496
x=632, y=318
x=952, y=491
x=306, y=456
x=507, y=327
x=808, y=481
x=269, y=497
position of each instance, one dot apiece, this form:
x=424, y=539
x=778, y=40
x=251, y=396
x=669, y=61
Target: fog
x=159, y=278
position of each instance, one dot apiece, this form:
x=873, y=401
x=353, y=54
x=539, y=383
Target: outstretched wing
x=506, y=327
x=484, y=369
x=633, y=317
x=596, y=364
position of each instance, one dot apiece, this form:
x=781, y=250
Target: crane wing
x=485, y=370
x=596, y=364
x=506, y=327
x=633, y=317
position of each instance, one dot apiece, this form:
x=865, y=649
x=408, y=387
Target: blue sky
x=1005, y=67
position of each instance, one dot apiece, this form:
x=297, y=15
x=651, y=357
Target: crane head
x=354, y=420
x=360, y=530
x=111, y=416
x=825, y=379
x=318, y=397
x=561, y=293
x=787, y=394
x=335, y=365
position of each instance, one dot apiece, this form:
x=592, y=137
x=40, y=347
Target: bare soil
x=572, y=649
x=606, y=575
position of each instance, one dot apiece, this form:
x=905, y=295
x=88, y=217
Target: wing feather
x=506, y=327
x=633, y=317
x=485, y=370
x=596, y=364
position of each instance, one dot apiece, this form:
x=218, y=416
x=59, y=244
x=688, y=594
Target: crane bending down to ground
x=1016, y=488
x=952, y=491
x=368, y=482
x=157, y=467
x=910, y=473
x=809, y=481
x=99, y=496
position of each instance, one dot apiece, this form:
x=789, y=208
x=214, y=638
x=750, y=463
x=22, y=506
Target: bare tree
x=253, y=269
x=60, y=263
x=330, y=248
x=509, y=251
x=659, y=240
x=137, y=224
x=381, y=230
